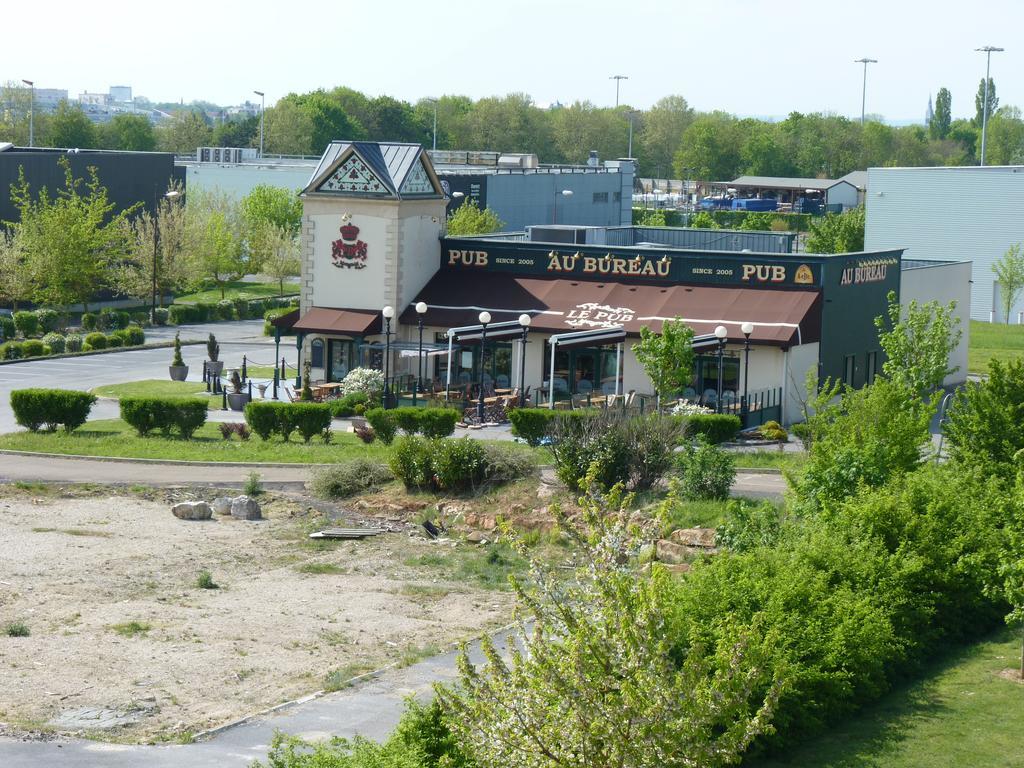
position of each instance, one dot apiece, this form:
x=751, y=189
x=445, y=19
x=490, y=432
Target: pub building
x=382, y=286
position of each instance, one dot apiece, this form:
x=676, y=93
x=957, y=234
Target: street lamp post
x=524, y=320
x=485, y=318
x=864, y=87
x=168, y=195
x=988, y=50
x=554, y=208
x=434, y=102
x=630, y=114
x=263, y=107
x=618, y=79
x=421, y=309
x=747, y=328
x=388, y=313
x=31, y=112
x=722, y=334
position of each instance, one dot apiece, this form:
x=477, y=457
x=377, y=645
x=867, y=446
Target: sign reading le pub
x=589, y=262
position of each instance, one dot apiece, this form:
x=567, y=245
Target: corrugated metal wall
x=715, y=239
x=950, y=213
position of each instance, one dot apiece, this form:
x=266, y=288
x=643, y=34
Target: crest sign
x=349, y=251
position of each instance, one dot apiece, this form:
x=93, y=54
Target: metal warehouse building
x=962, y=213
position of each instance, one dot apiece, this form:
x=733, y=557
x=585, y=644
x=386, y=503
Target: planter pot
x=178, y=372
x=214, y=367
x=263, y=391
x=237, y=400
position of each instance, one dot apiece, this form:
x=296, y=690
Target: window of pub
x=704, y=388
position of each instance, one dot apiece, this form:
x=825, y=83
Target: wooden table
x=326, y=391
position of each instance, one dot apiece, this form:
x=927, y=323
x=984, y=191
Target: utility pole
x=617, y=79
x=864, y=88
x=987, y=50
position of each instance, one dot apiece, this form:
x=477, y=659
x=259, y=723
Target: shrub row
x=55, y=344
x=226, y=309
x=34, y=408
x=267, y=419
x=352, y=404
x=795, y=222
x=432, y=423
x=713, y=427
x=455, y=465
x=145, y=414
x=106, y=320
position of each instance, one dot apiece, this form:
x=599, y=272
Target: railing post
x=244, y=377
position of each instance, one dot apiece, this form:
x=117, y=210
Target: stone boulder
x=244, y=508
x=694, y=537
x=483, y=521
x=192, y=510
x=222, y=505
x=670, y=552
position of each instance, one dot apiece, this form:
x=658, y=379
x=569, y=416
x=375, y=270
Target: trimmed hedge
x=429, y=422
x=10, y=350
x=145, y=414
x=349, y=405
x=531, y=424
x=7, y=328
x=33, y=348
x=55, y=342
x=49, y=320
x=34, y=408
x=95, y=340
x=713, y=427
x=267, y=418
x=384, y=424
x=27, y=323
x=227, y=309
x=454, y=465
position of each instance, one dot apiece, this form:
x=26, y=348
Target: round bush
x=7, y=328
x=33, y=348
x=95, y=340
x=55, y=342
x=11, y=350
x=27, y=323
x=89, y=321
x=369, y=381
x=34, y=408
x=113, y=340
x=49, y=319
x=72, y=343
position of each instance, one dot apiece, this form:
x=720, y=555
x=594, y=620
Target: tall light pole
x=987, y=50
x=554, y=207
x=630, y=114
x=485, y=318
x=618, y=79
x=263, y=105
x=434, y=102
x=722, y=334
x=388, y=312
x=421, y=309
x=864, y=88
x=31, y=112
x=524, y=321
x=747, y=328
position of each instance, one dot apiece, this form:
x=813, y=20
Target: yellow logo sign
x=804, y=276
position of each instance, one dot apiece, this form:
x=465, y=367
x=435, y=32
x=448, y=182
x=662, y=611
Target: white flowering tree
x=367, y=380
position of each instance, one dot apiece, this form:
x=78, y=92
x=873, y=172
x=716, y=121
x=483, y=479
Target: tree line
x=70, y=245
x=669, y=139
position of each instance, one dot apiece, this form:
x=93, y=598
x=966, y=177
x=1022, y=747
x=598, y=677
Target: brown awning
x=344, y=322
x=286, y=320
x=780, y=317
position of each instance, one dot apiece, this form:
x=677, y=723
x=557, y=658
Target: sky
x=747, y=57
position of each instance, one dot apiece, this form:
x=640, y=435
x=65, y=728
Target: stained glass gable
x=418, y=182
x=355, y=177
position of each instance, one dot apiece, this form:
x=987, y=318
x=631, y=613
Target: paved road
x=236, y=339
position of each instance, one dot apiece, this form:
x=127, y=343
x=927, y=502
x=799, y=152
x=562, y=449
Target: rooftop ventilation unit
x=569, y=235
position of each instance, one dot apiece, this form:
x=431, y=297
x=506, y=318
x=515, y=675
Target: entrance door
x=584, y=366
x=340, y=356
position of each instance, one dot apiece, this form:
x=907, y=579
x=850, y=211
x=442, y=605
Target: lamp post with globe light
x=722, y=334
x=421, y=309
x=747, y=328
x=524, y=321
x=485, y=318
x=388, y=312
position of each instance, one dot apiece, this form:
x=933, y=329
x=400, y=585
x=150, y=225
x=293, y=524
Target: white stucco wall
x=797, y=361
x=943, y=283
x=350, y=288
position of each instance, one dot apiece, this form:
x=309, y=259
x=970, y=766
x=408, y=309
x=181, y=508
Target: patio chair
x=710, y=398
x=502, y=381
x=584, y=386
x=608, y=388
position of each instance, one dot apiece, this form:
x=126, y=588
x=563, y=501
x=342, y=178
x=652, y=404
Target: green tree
x=71, y=128
x=175, y=270
x=1005, y=143
x=277, y=251
x=703, y=220
x=1009, y=271
x=838, y=232
x=709, y=149
x=596, y=681
x=468, y=219
x=979, y=101
x=15, y=277
x=184, y=133
x=15, y=102
x=582, y=127
x=287, y=129
x=216, y=238
x=70, y=241
x=275, y=206
x=942, y=117
x=394, y=120
x=1011, y=572
x=917, y=343
x=511, y=123
x=658, y=133
x=667, y=358
x=130, y=133
x=239, y=132
x=983, y=428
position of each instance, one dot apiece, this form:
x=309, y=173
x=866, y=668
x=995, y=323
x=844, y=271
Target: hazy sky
x=751, y=57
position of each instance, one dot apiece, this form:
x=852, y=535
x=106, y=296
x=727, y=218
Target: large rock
x=222, y=505
x=670, y=552
x=481, y=520
x=694, y=537
x=192, y=510
x=244, y=508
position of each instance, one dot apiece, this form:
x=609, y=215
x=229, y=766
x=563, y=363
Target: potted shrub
x=236, y=397
x=214, y=366
x=177, y=368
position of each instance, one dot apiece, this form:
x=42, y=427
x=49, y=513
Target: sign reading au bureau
x=627, y=264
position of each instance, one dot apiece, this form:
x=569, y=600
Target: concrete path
x=371, y=709
x=84, y=373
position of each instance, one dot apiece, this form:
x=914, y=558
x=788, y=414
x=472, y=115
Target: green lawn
x=963, y=714
x=769, y=459
x=988, y=340
x=114, y=438
x=153, y=388
x=237, y=289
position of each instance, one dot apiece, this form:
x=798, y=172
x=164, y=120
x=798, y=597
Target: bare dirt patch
x=78, y=571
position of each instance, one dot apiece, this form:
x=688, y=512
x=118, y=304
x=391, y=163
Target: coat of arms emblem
x=349, y=251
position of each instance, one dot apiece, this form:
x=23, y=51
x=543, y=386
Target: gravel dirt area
x=123, y=644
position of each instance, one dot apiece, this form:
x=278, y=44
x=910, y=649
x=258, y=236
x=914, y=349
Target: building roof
x=780, y=318
x=859, y=179
x=392, y=163
x=351, y=322
x=783, y=182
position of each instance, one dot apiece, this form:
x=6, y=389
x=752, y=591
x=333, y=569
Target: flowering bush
x=686, y=408
x=366, y=380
